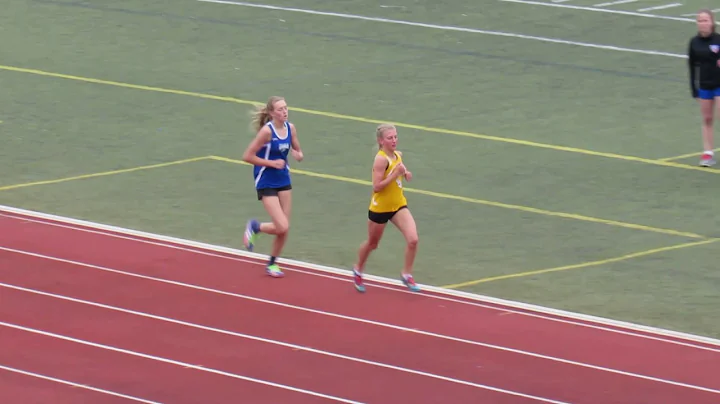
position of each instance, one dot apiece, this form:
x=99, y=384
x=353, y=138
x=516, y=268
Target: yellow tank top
x=391, y=198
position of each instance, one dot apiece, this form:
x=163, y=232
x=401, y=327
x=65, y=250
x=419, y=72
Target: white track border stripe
x=344, y=278
x=448, y=28
x=174, y=362
x=284, y=344
x=78, y=385
x=366, y=321
x=379, y=279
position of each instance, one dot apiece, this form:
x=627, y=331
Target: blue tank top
x=276, y=148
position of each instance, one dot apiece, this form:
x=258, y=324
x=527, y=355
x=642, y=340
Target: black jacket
x=704, y=63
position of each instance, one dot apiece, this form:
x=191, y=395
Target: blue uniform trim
x=708, y=94
x=276, y=148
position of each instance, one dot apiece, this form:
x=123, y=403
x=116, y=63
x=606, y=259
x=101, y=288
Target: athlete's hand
x=401, y=169
x=297, y=154
x=408, y=175
x=279, y=164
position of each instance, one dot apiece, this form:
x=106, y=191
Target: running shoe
x=251, y=231
x=410, y=283
x=357, y=277
x=274, y=271
x=707, y=160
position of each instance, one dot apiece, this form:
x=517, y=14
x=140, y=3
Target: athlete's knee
x=373, y=242
x=708, y=115
x=412, y=241
x=282, y=227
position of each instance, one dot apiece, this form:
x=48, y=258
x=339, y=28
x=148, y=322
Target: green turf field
x=554, y=148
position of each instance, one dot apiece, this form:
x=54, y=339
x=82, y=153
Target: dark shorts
x=271, y=191
x=709, y=94
x=384, y=217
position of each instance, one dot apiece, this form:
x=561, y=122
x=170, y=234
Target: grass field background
x=528, y=155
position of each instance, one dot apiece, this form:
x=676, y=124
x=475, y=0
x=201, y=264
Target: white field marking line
x=174, y=362
x=365, y=321
x=662, y=7
x=601, y=10
x=695, y=14
x=280, y=343
x=447, y=27
x=613, y=3
x=54, y=220
x=381, y=285
x=82, y=386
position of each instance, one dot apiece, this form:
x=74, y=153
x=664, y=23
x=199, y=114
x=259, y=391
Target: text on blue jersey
x=277, y=148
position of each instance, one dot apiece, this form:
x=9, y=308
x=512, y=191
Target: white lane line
x=280, y=343
x=73, y=384
x=534, y=311
x=174, y=362
x=362, y=320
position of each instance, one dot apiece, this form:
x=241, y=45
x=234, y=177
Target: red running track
x=163, y=322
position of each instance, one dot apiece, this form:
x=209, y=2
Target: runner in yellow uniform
x=388, y=203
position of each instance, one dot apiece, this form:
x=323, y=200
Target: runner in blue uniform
x=268, y=153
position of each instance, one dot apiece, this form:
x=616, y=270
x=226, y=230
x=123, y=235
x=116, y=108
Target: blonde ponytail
x=261, y=114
